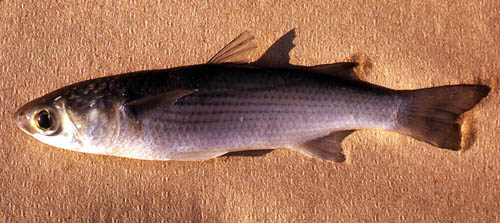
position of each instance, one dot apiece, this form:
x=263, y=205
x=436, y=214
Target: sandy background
x=387, y=177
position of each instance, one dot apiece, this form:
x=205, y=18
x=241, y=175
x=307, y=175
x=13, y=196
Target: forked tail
x=432, y=113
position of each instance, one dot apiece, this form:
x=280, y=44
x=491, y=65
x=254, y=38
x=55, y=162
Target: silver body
x=285, y=117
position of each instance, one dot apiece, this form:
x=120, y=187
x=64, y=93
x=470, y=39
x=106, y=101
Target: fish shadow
x=249, y=153
x=278, y=54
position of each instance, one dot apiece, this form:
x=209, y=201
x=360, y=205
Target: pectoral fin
x=327, y=147
x=134, y=108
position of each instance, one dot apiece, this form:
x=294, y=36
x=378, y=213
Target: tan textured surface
x=388, y=177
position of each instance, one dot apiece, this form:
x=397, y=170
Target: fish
x=230, y=104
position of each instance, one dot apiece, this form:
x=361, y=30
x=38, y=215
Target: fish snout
x=22, y=119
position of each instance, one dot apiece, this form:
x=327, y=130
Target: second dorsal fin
x=237, y=51
x=342, y=70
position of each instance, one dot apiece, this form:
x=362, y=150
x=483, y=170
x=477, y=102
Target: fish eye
x=43, y=120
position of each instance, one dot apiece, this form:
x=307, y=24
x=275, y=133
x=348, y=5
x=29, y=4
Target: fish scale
x=257, y=119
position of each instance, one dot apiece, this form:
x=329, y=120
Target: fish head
x=48, y=120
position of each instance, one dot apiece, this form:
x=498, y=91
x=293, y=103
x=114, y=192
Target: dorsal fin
x=237, y=51
x=342, y=70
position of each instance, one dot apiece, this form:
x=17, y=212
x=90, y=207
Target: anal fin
x=327, y=147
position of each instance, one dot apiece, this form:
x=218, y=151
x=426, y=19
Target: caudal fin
x=432, y=113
